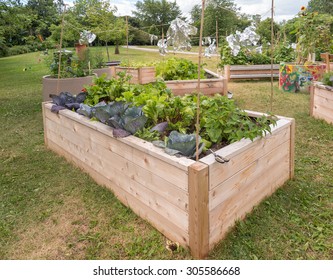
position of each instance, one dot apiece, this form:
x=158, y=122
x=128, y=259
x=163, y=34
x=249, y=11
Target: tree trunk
x=107, y=50
x=116, y=50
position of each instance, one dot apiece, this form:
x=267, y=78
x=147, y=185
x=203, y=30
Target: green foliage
x=328, y=79
x=156, y=13
x=228, y=59
x=148, y=135
x=244, y=56
x=220, y=119
x=70, y=66
x=178, y=69
x=321, y=6
x=282, y=52
x=263, y=29
x=106, y=90
x=220, y=12
x=313, y=34
x=97, y=60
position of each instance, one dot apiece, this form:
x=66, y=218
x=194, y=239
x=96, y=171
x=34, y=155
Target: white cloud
x=284, y=9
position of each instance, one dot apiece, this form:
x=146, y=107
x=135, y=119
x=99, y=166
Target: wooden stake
x=272, y=52
x=217, y=46
x=60, y=46
x=198, y=92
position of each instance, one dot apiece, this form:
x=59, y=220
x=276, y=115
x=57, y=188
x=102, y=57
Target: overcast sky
x=284, y=9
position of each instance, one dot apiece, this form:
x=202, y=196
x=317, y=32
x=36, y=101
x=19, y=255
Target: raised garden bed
x=193, y=203
x=143, y=75
x=214, y=84
x=139, y=75
x=321, y=103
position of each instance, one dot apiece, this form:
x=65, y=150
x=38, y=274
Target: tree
x=157, y=13
x=313, y=34
x=44, y=13
x=264, y=30
x=321, y=6
x=106, y=25
x=15, y=22
x=220, y=13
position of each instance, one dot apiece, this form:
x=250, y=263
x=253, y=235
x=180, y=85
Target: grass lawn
x=49, y=209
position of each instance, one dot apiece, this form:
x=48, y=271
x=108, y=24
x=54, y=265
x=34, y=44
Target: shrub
x=15, y=50
x=328, y=79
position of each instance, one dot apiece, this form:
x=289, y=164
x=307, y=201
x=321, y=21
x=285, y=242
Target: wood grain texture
x=199, y=213
x=321, y=106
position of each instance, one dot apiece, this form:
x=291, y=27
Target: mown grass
x=50, y=209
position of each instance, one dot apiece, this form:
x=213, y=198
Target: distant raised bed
x=139, y=75
x=210, y=86
x=193, y=203
x=249, y=72
x=321, y=104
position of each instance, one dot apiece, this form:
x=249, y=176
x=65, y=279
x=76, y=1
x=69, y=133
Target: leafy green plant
x=178, y=69
x=220, y=119
x=97, y=60
x=328, y=79
x=282, y=52
x=107, y=90
x=313, y=33
x=70, y=65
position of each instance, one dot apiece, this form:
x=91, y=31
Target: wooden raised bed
x=321, y=102
x=217, y=84
x=139, y=75
x=250, y=72
x=109, y=71
x=193, y=203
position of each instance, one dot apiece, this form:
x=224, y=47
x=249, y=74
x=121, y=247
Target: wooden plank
x=320, y=101
x=137, y=143
x=198, y=215
x=252, y=76
x=250, y=191
x=227, y=72
x=111, y=161
x=216, y=75
x=167, y=228
x=254, y=67
x=292, y=149
x=324, y=92
x=254, y=71
x=243, y=152
x=253, y=170
x=251, y=71
x=320, y=112
x=99, y=163
x=207, y=86
x=148, y=148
